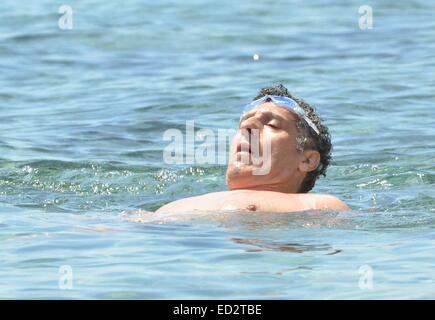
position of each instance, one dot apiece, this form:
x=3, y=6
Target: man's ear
x=310, y=160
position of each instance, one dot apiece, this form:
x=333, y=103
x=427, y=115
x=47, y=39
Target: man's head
x=298, y=155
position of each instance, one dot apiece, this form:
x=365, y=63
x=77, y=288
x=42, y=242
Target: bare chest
x=254, y=201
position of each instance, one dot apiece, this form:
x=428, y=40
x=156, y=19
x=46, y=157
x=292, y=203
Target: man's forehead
x=275, y=110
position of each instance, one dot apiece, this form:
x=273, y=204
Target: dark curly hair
x=308, y=139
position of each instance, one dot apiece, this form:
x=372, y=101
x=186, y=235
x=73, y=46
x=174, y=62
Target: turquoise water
x=83, y=113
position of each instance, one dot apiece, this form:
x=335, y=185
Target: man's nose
x=254, y=122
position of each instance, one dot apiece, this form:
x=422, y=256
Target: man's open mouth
x=243, y=147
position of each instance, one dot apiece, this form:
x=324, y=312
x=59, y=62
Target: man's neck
x=272, y=187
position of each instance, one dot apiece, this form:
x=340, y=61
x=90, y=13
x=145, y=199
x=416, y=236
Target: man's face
x=277, y=126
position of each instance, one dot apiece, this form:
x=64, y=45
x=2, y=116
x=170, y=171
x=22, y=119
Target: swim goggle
x=284, y=102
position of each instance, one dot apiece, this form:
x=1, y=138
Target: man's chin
x=240, y=176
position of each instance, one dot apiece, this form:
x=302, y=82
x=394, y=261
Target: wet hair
x=307, y=139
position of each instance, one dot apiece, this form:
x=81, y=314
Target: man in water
x=299, y=152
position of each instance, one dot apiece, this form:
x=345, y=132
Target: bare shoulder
x=327, y=201
x=174, y=205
